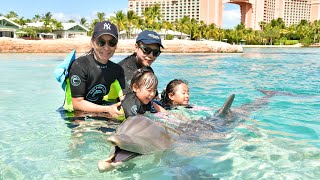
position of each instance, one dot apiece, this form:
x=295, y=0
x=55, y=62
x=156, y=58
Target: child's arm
x=158, y=107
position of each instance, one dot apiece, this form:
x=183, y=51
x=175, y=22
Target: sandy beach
x=15, y=45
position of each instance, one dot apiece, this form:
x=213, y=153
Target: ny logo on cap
x=153, y=36
x=107, y=26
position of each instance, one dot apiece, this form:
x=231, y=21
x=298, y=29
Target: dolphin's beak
x=115, y=159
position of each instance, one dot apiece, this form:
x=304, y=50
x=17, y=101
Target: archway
x=251, y=11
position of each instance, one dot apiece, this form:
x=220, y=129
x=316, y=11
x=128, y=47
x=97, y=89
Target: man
x=147, y=49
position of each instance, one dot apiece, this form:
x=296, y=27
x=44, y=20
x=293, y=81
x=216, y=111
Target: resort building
x=70, y=30
x=8, y=28
x=252, y=11
x=162, y=33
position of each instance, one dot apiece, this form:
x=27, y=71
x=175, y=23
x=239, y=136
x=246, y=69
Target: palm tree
x=152, y=16
x=316, y=30
x=71, y=21
x=183, y=25
x=83, y=21
x=56, y=25
x=278, y=22
x=303, y=29
x=250, y=36
x=20, y=21
x=11, y=14
x=221, y=34
x=202, y=28
x=272, y=32
x=101, y=16
x=47, y=19
x=36, y=18
x=166, y=25
x=132, y=21
x=262, y=25
x=119, y=20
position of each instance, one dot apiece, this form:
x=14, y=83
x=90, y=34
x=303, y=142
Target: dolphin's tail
x=270, y=93
x=226, y=106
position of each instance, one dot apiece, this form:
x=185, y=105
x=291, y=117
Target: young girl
x=143, y=88
x=175, y=94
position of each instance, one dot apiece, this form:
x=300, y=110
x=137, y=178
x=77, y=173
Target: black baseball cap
x=105, y=27
x=149, y=37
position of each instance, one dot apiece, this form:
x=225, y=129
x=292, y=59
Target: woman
x=92, y=75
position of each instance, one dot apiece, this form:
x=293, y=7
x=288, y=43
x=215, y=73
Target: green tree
x=56, y=25
x=315, y=26
x=152, y=16
x=47, y=19
x=21, y=21
x=119, y=20
x=166, y=26
x=132, y=22
x=101, y=16
x=183, y=25
x=272, y=33
x=36, y=18
x=11, y=14
x=83, y=21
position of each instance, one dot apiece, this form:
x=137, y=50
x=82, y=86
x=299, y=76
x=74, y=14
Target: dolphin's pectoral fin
x=226, y=107
x=115, y=159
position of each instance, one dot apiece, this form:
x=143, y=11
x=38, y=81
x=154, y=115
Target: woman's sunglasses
x=148, y=50
x=112, y=43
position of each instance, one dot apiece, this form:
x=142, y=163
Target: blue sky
x=64, y=10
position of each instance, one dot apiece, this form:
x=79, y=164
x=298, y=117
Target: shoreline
x=82, y=45
x=273, y=46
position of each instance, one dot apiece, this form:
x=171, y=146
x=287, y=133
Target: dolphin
x=136, y=136
x=140, y=135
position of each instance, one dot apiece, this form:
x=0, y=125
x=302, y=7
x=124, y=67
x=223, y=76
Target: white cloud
x=231, y=18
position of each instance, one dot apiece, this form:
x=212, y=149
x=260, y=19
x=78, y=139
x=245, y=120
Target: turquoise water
x=280, y=140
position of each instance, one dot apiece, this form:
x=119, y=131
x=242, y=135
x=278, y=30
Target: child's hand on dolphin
x=115, y=110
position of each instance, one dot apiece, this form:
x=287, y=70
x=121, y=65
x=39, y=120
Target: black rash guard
x=132, y=105
x=91, y=79
x=129, y=65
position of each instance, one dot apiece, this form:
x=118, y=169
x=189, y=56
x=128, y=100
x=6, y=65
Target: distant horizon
x=61, y=10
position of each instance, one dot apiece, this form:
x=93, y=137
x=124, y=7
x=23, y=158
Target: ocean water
x=278, y=139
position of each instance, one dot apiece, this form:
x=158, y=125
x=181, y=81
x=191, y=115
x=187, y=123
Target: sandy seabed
x=15, y=45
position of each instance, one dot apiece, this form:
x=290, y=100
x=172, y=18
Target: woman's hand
x=114, y=110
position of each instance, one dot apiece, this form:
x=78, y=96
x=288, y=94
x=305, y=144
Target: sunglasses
x=148, y=50
x=112, y=43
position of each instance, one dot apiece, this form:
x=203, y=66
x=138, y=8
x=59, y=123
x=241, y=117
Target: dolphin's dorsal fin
x=226, y=106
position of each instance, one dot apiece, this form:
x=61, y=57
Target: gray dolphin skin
x=140, y=135
x=136, y=136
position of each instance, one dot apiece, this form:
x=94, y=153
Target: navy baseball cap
x=105, y=27
x=149, y=37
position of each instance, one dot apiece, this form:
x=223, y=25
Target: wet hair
x=144, y=77
x=165, y=100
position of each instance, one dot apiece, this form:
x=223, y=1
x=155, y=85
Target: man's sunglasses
x=148, y=50
x=112, y=43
